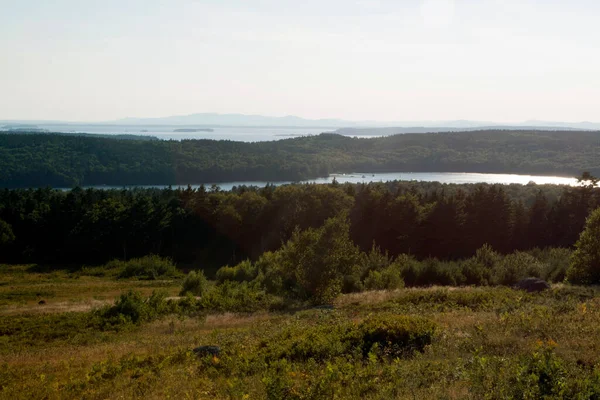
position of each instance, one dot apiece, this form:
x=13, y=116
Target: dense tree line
x=38, y=160
x=211, y=228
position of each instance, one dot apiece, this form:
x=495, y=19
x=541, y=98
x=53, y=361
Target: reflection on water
x=364, y=177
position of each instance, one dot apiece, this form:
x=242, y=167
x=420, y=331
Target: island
x=194, y=130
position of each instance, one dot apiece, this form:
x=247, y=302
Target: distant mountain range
x=213, y=120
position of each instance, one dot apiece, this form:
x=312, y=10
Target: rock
x=532, y=285
x=202, y=351
x=324, y=307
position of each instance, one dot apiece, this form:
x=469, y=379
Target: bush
x=383, y=335
x=6, y=233
x=236, y=297
x=585, y=262
x=435, y=272
x=194, y=283
x=243, y=272
x=389, y=278
x=396, y=335
x=410, y=269
x=131, y=307
x=315, y=261
x=150, y=267
x=475, y=273
x=517, y=266
x=487, y=257
x=556, y=262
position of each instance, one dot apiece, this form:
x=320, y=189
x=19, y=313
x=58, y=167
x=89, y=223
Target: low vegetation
x=320, y=316
x=486, y=342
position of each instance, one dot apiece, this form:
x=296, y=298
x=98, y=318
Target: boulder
x=532, y=285
x=202, y=351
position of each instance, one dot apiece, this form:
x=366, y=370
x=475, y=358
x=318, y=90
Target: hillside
x=62, y=161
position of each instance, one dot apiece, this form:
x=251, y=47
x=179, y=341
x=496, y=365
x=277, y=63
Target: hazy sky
x=499, y=60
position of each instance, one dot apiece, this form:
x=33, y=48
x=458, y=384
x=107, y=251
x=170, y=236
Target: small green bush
x=475, y=272
x=243, y=272
x=132, y=307
x=236, y=297
x=150, y=267
x=389, y=278
x=517, y=266
x=384, y=335
x=194, y=283
x=396, y=335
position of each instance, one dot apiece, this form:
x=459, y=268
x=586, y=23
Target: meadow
x=409, y=343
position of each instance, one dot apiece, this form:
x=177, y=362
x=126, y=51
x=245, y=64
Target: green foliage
x=385, y=335
x=6, y=234
x=243, y=272
x=315, y=261
x=62, y=161
x=236, y=297
x=517, y=266
x=194, y=283
x=149, y=268
x=132, y=307
x=389, y=278
x=541, y=374
x=585, y=263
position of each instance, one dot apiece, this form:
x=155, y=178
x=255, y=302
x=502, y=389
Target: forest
x=40, y=160
x=211, y=228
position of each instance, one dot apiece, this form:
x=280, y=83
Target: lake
x=363, y=177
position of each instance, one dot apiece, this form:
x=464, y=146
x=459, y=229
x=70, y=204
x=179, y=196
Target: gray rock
x=324, y=307
x=532, y=285
x=202, y=351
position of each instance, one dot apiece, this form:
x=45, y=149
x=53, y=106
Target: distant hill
x=240, y=120
x=39, y=131
x=34, y=160
x=386, y=131
x=211, y=119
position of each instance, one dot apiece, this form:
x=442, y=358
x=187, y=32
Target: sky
x=384, y=60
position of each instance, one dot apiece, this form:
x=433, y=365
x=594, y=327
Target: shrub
x=475, y=273
x=243, y=272
x=6, y=233
x=270, y=273
x=517, y=266
x=389, y=278
x=315, y=261
x=147, y=268
x=396, y=335
x=194, y=283
x=383, y=335
x=236, y=297
x=487, y=257
x=131, y=307
x=585, y=262
x=556, y=262
x=435, y=272
x=374, y=260
x=410, y=269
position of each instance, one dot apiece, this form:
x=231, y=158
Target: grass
x=472, y=343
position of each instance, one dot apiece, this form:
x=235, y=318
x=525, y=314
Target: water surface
x=364, y=177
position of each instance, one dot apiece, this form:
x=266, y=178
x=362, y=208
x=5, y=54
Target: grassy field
x=442, y=343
